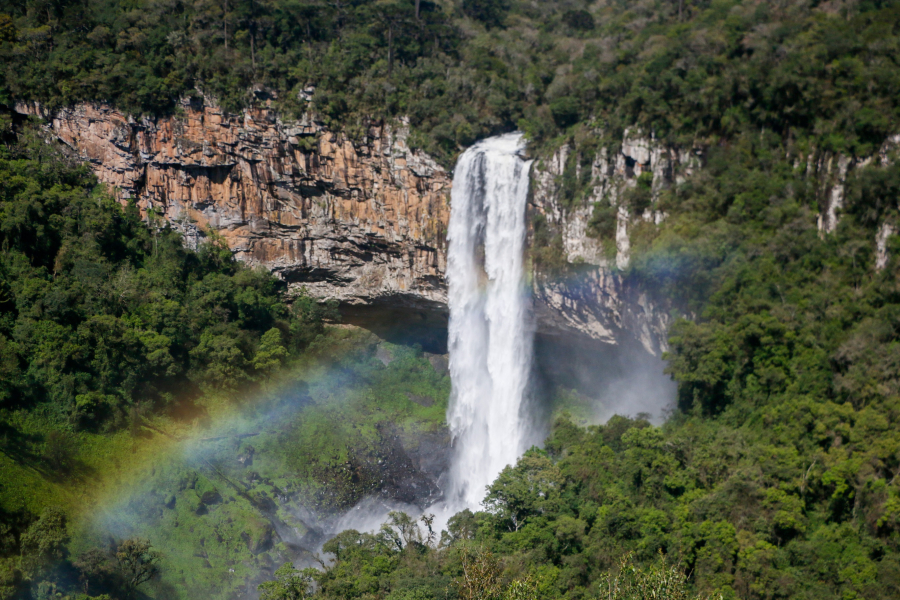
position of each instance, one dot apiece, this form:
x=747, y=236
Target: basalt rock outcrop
x=354, y=220
x=594, y=298
x=362, y=221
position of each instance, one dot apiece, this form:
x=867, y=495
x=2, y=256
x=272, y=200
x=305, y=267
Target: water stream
x=490, y=331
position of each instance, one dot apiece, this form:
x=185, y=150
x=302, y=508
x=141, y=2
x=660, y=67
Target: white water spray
x=490, y=330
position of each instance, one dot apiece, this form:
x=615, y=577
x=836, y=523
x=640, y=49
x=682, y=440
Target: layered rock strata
x=353, y=220
x=359, y=221
x=363, y=221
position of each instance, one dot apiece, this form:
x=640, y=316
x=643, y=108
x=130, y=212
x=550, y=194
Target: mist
x=595, y=381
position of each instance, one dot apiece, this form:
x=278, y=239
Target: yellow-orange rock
x=354, y=220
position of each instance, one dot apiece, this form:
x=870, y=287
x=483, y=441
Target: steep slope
x=351, y=220
x=359, y=222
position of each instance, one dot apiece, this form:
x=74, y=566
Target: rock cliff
x=353, y=220
x=364, y=220
x=594, y=299
x=360, y=221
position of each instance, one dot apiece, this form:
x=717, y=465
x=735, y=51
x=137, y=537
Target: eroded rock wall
x=594, y=298
x=830, y=172
x=613, y=170
x=364, y=221
x=359, y=221
x=353, y=220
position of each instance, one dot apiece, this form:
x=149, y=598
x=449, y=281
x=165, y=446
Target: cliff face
x=594, y=298
x=360, y=221
x=607, y=175
x=353, y=220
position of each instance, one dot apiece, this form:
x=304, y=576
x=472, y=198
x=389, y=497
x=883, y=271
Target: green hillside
x=154, y=394
x=462, y=69
x=777, y=475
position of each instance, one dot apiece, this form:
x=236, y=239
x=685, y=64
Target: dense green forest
x=106, y=321
x=777, y=475
x=462, y=69
x=135, y=370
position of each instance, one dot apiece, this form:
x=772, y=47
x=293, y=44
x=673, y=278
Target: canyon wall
x=593, y=297
x=363, y=221
x=352, y=220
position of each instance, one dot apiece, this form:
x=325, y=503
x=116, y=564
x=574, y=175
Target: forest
x=121, y=348
x=688, y=70
x=776, y=476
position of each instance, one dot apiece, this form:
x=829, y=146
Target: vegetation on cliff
x=462, y=69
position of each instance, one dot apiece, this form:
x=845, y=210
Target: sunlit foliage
x=692, y=70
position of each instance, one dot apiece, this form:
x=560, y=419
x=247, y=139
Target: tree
x=47, y=537
x=10, y=577
x=45, y=540
x=59, y=450
x=10, y=374
x=522, y=589
x=309, y=317
x=658, y=580
x=401, y=530
x=461, y=526
x=289, y=584
x=137, y=563
x=565, y=111
x=7, y=28
x=219, y=359
x=531, y=487
x=392, y=17
x=271, y=352
x=93, y=566
x=578, y=19
x=640, y=197
x=490, y=12
x=480, y=579
x=345, y=543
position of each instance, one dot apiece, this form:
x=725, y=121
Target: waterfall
x=490, y=336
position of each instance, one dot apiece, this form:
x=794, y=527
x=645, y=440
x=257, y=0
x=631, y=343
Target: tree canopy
x=693, y=70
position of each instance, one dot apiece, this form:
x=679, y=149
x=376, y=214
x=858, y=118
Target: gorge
x=370, y=223
x=374, y=225
x=288, y=313
x=364, y=222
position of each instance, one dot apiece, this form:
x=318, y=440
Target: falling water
x=490, y=332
